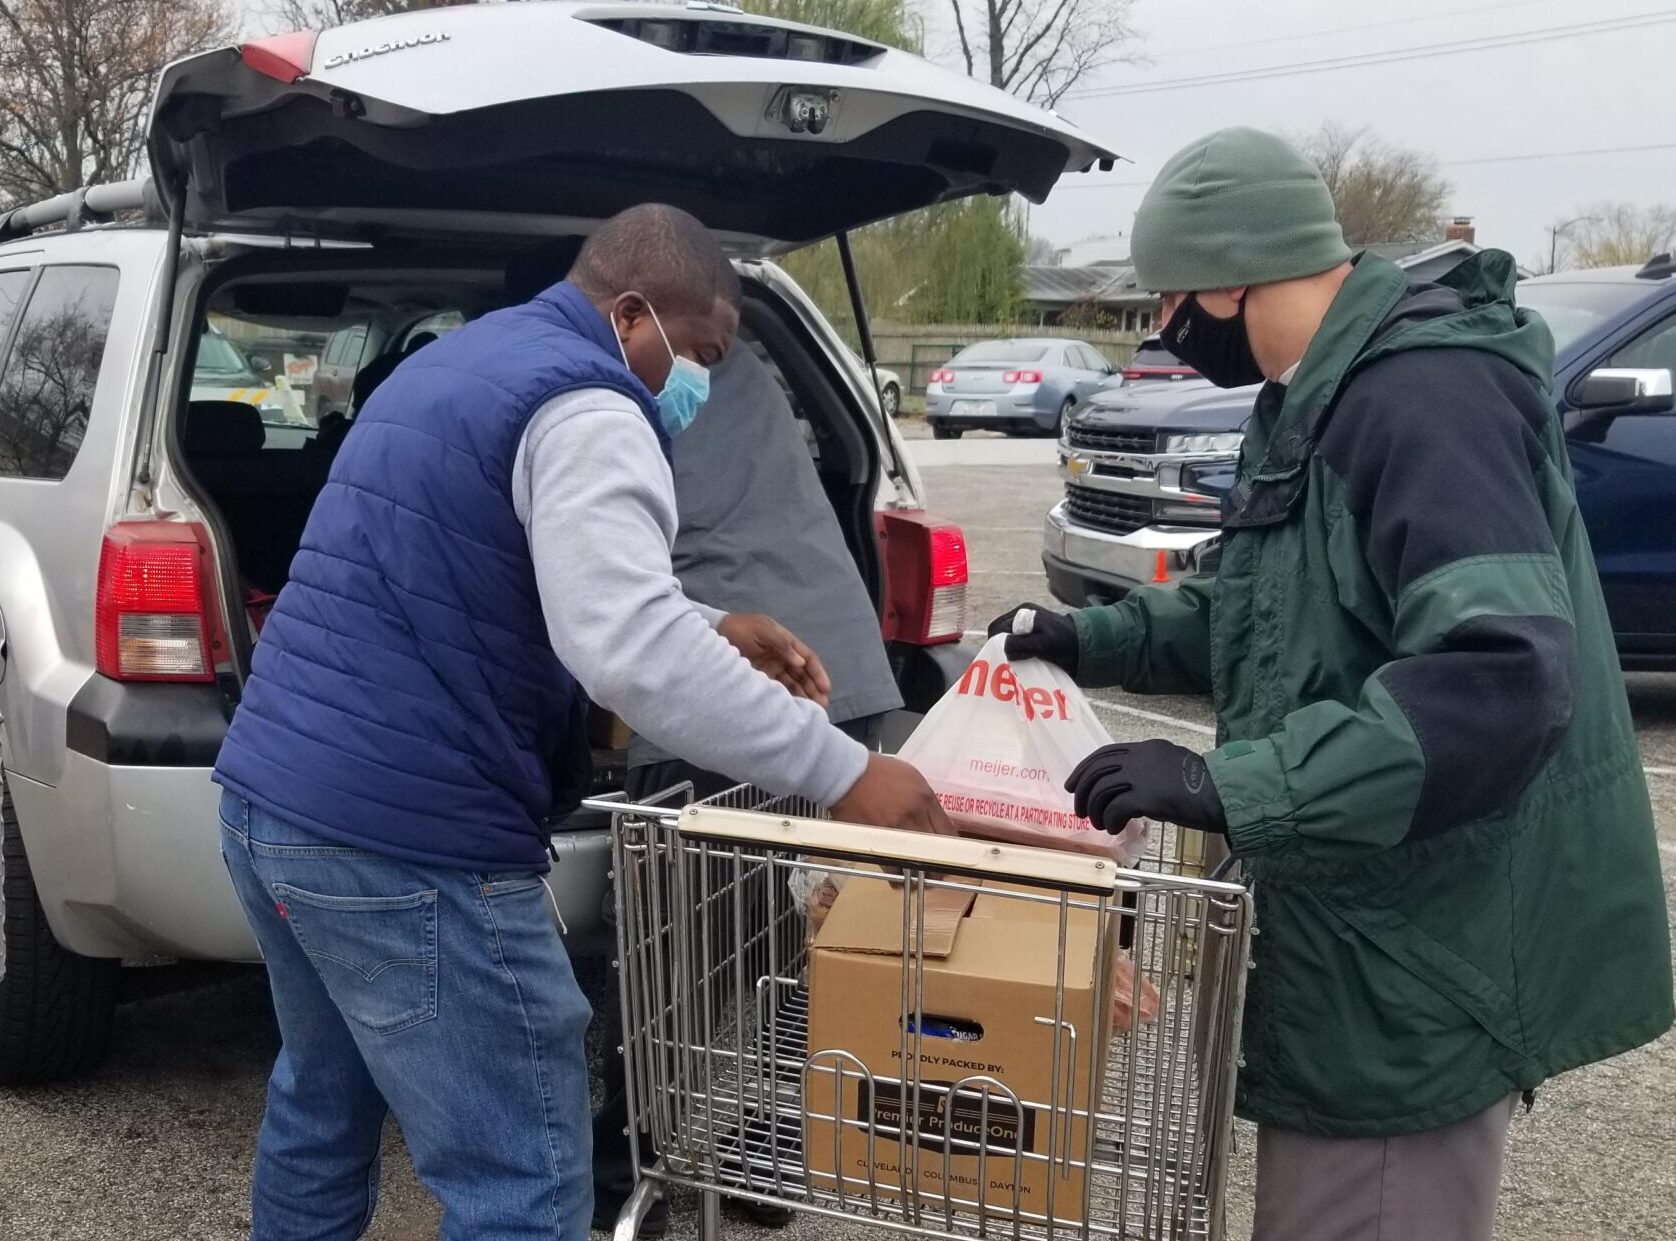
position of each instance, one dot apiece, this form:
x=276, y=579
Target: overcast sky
x=1582, y=91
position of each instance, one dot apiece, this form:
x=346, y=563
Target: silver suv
x=376, y=182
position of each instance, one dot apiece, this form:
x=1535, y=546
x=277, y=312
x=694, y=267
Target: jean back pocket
x=376, y=954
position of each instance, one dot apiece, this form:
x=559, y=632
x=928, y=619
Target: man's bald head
x=665, y=285
x=660, y=252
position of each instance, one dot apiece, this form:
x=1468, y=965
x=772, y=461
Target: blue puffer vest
x=404, y=697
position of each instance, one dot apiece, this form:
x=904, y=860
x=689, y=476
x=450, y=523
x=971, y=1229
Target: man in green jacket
x=1425, y=756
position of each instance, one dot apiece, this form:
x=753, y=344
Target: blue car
x=1020, y=387
x=1144, y=469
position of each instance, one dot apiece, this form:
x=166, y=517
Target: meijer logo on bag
x=998, y=747
x=1038, y=702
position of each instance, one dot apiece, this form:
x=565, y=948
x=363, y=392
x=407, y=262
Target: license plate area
x=973, y=409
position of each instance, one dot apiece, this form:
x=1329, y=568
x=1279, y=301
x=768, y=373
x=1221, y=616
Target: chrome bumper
x=1151, y=554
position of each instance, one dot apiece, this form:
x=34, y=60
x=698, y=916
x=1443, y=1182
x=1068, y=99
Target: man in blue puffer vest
x=491, y=551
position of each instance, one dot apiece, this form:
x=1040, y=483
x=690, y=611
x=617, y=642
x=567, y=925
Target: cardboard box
x=989, y=968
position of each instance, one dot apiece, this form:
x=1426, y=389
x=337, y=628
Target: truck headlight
x=1207, y=513
x=1219, y=441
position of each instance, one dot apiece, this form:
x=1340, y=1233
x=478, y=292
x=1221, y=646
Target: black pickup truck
x=1145, y=464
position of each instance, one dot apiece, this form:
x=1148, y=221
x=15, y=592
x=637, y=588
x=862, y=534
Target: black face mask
x=1218, y=349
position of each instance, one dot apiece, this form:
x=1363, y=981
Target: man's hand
x=1052, y=636
x=777, y=653
x=891, y=793
x=1154, y=779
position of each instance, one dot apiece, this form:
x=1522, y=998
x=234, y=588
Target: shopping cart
x=1132, y=1134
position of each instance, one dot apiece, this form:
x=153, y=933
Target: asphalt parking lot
x=158, y=1144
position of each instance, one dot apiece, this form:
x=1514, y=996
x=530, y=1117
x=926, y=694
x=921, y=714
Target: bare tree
x=891, y=22
x=76, y=78
x=1611, y=234
x=318, y=14
x=47, y=392
x=1382, y=192
x=1039, y=49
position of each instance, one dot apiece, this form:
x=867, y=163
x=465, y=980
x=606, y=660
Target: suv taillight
x=155, y=617
x=286, y=58
x=925, y=579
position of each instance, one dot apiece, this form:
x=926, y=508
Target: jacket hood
x=1471, y=306
x=1379, y=312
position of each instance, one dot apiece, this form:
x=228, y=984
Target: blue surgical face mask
x=686, y=389
x=684, y=392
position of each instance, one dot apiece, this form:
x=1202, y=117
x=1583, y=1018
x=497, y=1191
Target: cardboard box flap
x=867, y=917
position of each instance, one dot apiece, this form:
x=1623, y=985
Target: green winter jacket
x=1425, y=750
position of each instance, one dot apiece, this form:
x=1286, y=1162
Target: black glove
x=1155, y=779
x=1054, y=637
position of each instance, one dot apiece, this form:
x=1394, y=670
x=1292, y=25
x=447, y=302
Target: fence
x=914, y=351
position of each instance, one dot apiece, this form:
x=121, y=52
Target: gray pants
x=1440, y=1185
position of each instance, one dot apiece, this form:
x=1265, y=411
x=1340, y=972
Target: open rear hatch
x=541, y=117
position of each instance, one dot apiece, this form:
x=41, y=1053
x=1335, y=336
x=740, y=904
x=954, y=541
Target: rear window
x=424, y=332
x=47, y=386
x=218, y=356
x=1574, y=311
x=306, y=354
x=1003, y=351
x=347, y=347
x=1155, y=355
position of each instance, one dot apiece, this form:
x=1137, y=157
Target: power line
x=1446, y=163
x=1455, y=47
x=1516, y=159
x=1449, y=15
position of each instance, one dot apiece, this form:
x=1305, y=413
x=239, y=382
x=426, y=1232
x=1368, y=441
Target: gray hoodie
x=595, y=495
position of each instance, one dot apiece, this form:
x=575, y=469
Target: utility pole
x=1557, y=231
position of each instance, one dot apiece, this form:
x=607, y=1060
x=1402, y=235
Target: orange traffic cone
x=1162, y=572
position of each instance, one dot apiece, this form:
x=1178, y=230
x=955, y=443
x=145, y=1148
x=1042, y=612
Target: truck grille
x=1107, y=510
x=1103, y=439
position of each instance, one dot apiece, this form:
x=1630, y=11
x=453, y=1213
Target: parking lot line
x=1158, y=717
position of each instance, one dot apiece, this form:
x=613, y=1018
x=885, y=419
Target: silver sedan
x=1016, y=386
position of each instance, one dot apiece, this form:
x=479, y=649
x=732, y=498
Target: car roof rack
x=93, y=204
x=1659, y=267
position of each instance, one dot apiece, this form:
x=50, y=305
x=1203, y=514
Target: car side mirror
x=261, y=365
x=1624, y=390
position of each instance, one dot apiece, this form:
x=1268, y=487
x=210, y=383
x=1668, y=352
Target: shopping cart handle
x=664, y=805
x=895, y=847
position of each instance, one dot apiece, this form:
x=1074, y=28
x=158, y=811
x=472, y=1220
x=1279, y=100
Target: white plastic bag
x=998, y=748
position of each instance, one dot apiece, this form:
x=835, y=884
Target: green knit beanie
x=1238, y=207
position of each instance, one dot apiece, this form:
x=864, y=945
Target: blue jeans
x=443, y=996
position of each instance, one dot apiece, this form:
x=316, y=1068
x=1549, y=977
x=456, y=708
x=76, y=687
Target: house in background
x=1102, y=292
x=1427, y=260
x=1110, y=250
x=1101, y=295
